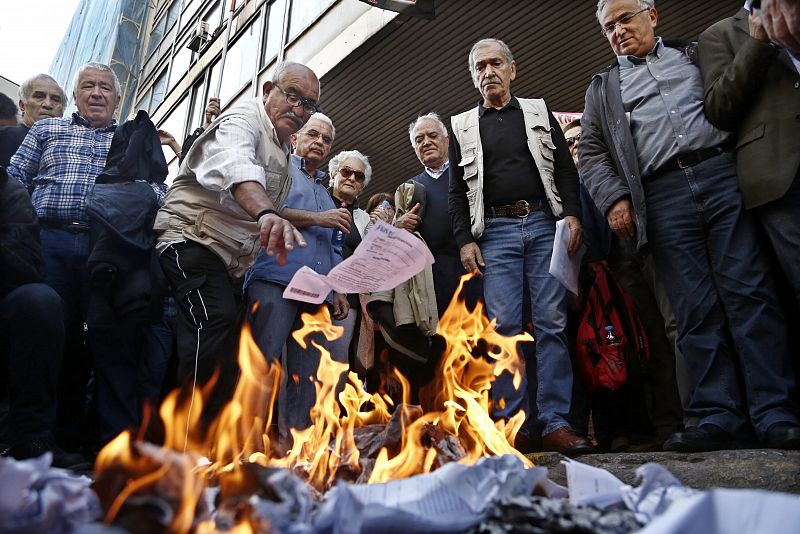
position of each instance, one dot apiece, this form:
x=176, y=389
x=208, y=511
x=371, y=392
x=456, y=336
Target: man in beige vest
x=511, y=178
x=220, y=211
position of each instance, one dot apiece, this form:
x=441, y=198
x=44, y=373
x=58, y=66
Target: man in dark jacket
x=751, y=88
x=661, y=173
x=31, y=330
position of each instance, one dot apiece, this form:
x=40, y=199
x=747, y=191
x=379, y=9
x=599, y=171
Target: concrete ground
x=767, y=469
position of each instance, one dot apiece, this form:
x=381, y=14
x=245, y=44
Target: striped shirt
x=59, y=160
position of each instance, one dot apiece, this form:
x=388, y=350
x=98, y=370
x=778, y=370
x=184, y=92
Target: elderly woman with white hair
x=350, y=172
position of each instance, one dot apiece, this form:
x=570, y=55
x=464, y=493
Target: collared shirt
x=663, y=93
x=306, y=193
x=59, y=160
x=241, y=145
x=437, y=174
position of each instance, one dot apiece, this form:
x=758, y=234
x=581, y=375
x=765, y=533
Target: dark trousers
x=115, y=348
x=209, y=320
x=65, y=253
x=635, y=271
x=31, y=345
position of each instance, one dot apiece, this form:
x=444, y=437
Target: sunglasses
x=347, y=172
x=573, y=140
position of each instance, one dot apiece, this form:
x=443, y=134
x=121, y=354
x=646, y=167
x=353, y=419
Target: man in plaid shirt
x=58, y=162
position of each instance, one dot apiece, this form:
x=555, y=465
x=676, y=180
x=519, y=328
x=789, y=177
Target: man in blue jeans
x=511, y=178
x=311, y=209
x=664, y=177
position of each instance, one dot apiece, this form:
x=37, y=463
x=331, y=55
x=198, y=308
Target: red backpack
x=602, y=359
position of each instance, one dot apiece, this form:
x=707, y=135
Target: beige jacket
x=540, y=143
x=240, y=146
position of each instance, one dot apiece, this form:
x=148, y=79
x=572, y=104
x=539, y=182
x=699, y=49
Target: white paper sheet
x=386, y=257
x=563, y=267
x=592, y=485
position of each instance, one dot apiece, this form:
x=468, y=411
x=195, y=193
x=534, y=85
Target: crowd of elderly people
x=681, y=177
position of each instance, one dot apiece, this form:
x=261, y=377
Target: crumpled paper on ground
x=35, y=497
x=453, y=498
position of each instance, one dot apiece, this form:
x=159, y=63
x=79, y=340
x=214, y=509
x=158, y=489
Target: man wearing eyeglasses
x=310, y=208
x=511, y=178
x=220, y=211
x=666, y=179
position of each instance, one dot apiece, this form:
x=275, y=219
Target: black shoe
x=34, y=448
x=783, y=436
x=708, y=437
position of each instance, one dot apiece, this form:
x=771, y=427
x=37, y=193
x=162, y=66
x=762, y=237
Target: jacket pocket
x=751, y=135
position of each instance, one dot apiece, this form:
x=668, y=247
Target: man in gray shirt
x=664, y=177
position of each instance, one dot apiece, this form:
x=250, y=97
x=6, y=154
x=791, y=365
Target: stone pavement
x=767, y=469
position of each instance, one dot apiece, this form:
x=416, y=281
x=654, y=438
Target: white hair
x=432, y=116
x=323, y=119
x=93, y=65
x=26, y=88
x=504, y=49
x=601, y=5
x=283, y=66
x=336, y=162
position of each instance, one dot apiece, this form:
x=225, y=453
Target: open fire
x=354, y=436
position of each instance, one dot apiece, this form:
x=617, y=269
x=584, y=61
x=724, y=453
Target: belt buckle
x=522, y=208
x=681, y=165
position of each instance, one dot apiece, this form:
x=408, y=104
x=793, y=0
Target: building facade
x=109, y=32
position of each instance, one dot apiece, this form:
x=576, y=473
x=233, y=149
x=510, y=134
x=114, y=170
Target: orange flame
x=456, y=404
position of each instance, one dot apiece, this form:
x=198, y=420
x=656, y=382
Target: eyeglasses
x=573, y=140
x=313, y=134
x=309, y=106
x=624, y=20
x=347, y=172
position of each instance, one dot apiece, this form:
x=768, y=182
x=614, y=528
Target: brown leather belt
x=689, y=159
x=521, y=208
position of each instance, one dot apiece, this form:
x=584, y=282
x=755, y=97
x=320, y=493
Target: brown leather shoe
x=567, y=442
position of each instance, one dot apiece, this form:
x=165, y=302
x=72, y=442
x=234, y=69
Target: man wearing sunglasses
x=665, y=178
x=220, y=211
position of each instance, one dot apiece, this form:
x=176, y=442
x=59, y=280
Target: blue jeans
x=65, y=253
x=711, y=264
x=272, y=325
x=517, y=253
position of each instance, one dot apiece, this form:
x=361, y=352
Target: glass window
x=159, y=91
x=189, y=11
x=303, y=14
x=274, y=30
x=180, y=65
x=144, y=102
x=212, y=17
x=241, y=61
x=156, y=35
x=172, y=12
x=213, y=81
x=175, y=123
x=199, y=101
